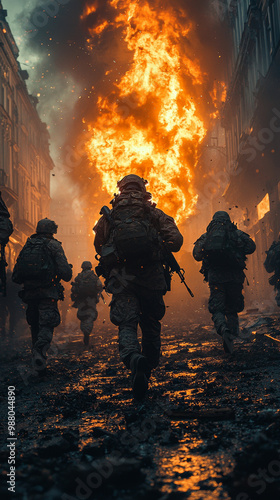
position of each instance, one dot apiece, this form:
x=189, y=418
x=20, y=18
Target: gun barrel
x=174, y=267
x=181, y=276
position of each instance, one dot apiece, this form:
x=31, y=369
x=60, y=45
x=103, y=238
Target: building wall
x=74, y=232
x=25, y=163
x=255, y=42
x=251, y=118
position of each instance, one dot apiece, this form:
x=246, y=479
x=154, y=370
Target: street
x=208, y=429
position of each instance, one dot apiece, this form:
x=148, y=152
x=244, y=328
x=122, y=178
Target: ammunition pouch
x=274, y=280
x=107, y=261
x=60, y=291
x=167, y=276
x=204, y=270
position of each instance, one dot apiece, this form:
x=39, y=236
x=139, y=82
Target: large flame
x=150, y=124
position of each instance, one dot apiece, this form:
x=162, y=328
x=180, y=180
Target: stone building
x=73, y=231
x=251, y=118
x=25, y=163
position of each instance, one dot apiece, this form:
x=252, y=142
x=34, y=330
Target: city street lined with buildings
x=169, y=114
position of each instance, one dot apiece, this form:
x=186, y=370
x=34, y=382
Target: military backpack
x=272, y=261
x=35, y=263
x=85, y=286
x=134, y=231
x=221, y=245
x=6, y=229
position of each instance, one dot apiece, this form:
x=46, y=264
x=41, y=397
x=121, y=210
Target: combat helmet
x=46, y=226
x=221, y=215
x=134, y=181
x=86, y=265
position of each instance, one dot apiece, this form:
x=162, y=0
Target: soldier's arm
x=169, y=231
x=64, y=270
x=198, y=251
x=249, y=246
x=99, y=286
x=11, y=227
x=102, y=231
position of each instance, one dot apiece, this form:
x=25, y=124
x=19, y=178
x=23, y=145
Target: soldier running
x=223, y=249
x=85, y=293
x=132, y=263
x=40, y=266
x=272, y=265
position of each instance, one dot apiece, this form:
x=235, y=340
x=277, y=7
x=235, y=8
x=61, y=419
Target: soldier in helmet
x=85, y=293
x=129, y=242
x=222, y=250
x=6, y=229
x=40, y=266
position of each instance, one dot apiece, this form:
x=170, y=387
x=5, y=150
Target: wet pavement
x=208, y=429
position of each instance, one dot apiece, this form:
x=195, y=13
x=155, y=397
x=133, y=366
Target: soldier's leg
x=125, y=313
x=277, y=296
x=152, y=311
x=49, y=318
x=3, y=316
x=234, y=305
x=217, y=307
x=87, y=324
x=233, y=323
x=32, y=318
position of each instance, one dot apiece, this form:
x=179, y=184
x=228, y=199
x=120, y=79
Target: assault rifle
x=171, y=264
x=3, y=265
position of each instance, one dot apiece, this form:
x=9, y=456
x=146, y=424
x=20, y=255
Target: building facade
x=25, y=163
x=73, y=231
x=251, y=118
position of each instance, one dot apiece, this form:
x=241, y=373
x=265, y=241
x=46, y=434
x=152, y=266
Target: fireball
x=149, y=124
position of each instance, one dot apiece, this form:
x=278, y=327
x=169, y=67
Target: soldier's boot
x=233, y=324
x=34, y=335
x=39, y=363
x=227, y=340
x=139, y=371
x=86, y=339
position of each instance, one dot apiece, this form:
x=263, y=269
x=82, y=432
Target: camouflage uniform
x=6, y=229
x=42, y=312
x=226, y=283
x=4, y=313
x=272, y=265
x=6, y=226
x=86, y=305
x=138, y=294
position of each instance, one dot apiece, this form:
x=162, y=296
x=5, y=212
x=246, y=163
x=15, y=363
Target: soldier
x=129, y=241
x=85, y=293
x=6, y=229
x=272, y=265
x=223, y=249
x=40, y=266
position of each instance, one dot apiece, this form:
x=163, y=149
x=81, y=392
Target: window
x=263, y=207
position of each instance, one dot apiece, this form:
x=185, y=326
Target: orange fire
x=149, y=125
x=89, y=9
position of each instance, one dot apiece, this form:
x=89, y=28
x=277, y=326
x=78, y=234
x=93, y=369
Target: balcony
x=25, y=226
x=10, y=195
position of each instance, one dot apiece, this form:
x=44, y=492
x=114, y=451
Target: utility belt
x=274, y=280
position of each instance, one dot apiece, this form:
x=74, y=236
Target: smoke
x=69, y=72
